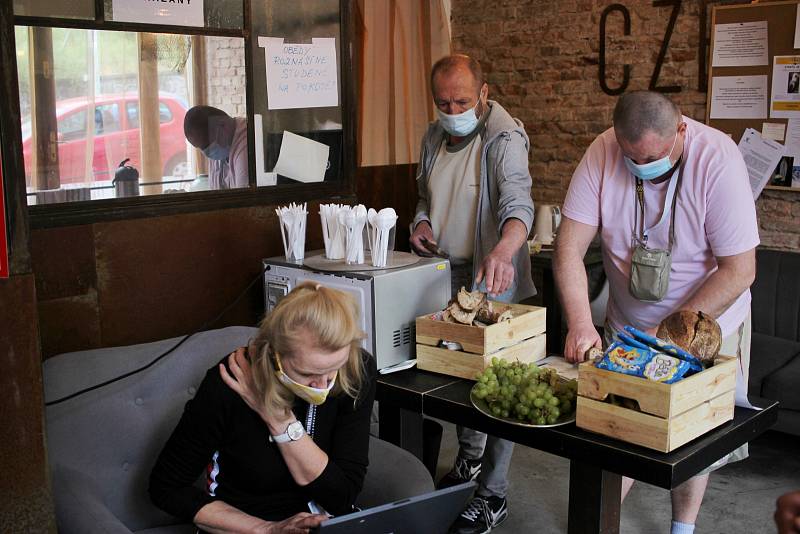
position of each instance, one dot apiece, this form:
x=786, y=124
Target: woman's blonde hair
x=325, y=318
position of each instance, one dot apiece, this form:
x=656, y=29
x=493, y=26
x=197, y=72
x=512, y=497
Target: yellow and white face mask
x=309, y=394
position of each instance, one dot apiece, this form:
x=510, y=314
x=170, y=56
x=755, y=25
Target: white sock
x=681, y=528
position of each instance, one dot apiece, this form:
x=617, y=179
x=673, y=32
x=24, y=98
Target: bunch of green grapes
x=525, y=392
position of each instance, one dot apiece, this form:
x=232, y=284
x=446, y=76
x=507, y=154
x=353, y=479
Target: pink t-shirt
x=715, y=216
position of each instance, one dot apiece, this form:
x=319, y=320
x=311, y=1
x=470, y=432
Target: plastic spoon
x=386, y=219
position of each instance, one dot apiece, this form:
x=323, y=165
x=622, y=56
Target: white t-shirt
x=715, y=216
x=453, y=197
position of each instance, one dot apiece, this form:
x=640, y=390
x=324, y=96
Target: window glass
x=218, y=14
x=299, y=23
x=164, y=114
x=72, y=126
x=95, y=101
x=70, y=9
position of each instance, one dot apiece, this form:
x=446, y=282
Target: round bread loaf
x=695, y=332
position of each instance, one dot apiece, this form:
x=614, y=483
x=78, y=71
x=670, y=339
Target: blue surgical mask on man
x=216, y=151
x=461, y=124
x=654, y=169
x=220, y=136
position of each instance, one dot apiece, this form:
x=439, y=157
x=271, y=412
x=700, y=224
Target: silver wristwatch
x=293, y=432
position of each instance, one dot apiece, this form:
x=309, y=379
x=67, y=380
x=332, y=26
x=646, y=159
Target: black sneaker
x=464, y=470
x=481, y=515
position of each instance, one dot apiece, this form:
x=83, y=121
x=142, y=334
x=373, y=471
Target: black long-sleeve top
x=220, y=434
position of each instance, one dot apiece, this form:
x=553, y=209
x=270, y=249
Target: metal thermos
x=126, y=180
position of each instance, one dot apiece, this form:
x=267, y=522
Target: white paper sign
x=171, y=12
x=761, y=156
x=740, y=44
x=785, y=88
x=739, y=97
x=792, y=144
x=301, y=158
x=773, y=130
x=300, y=75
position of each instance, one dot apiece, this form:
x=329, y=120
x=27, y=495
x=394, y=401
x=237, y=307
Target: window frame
x=101, y=210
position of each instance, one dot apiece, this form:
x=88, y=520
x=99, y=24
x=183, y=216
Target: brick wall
x=226, y=75
x=541, y=60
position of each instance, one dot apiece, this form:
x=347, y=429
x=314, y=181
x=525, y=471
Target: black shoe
x=464, y=470
x=481, y=515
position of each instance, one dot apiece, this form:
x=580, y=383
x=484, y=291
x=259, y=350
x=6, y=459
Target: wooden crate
x=671, y=414
x=467, y=364
x=528, y=321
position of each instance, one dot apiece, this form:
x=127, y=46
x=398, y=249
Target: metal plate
x=397, y=259
x=482, y=407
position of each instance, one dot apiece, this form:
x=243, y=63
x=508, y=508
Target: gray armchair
x=102, y=445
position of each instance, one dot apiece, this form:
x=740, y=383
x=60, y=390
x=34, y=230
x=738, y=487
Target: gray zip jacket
x=505, y=191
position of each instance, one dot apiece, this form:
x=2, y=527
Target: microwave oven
x=389, y=299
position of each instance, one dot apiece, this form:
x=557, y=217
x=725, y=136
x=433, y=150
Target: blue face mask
x=216, y=151
x=654, y=169
x=460, y=125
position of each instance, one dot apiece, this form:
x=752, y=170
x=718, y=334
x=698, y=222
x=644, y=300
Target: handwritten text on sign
x=300, y=75
x=171, y=12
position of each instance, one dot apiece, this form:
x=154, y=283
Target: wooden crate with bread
x=462, y=339
x=659, y=392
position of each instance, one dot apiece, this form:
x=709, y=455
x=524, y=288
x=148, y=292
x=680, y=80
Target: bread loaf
x=695, y=332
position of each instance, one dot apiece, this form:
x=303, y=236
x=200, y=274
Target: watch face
x=295, y=431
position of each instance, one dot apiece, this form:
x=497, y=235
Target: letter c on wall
x=626, y=73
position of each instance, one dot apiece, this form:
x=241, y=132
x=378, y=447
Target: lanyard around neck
x=669, y=206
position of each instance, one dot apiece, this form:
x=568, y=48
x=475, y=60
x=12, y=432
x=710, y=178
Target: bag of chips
x=639, y=360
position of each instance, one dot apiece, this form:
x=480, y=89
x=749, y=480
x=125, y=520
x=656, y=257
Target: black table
x=544, y=261
x=597, y=463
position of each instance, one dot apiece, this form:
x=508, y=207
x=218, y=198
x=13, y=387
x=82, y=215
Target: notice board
x=780, y=18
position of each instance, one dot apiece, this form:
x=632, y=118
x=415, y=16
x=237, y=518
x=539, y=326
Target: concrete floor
x=740, y=498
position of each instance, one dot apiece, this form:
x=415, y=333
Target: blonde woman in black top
x=282, y=429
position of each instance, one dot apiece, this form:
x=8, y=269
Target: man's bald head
x=448, y=64
x=639, y=112
x=200, y=121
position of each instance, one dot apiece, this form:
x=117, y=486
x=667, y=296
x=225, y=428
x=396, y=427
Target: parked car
x=116, y=137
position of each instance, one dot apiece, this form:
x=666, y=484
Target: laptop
x=431, y=513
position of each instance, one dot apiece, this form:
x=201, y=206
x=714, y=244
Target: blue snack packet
x=625, y=359
x=666, y=369
x=643, y=361
x=695, y=365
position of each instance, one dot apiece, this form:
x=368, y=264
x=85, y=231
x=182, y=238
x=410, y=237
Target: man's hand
x=787, y=513
x=423, y=232
x=301, y=523
x=581, y=338
x=497, y=270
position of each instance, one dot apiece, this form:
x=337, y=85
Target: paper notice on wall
x=792, y=149
x=302, y=159
x=761, y=156
x=785, y=88
x=792, y=144
x=740, y=44
x=300, y=75
x=773, y=130
x=739, y=97
x=170, y=12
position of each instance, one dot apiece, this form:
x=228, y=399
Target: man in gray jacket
x=475, y=204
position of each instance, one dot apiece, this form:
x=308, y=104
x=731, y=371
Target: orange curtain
x=399, y=42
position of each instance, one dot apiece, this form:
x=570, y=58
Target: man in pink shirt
x=658, y=181
x=223, y=140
